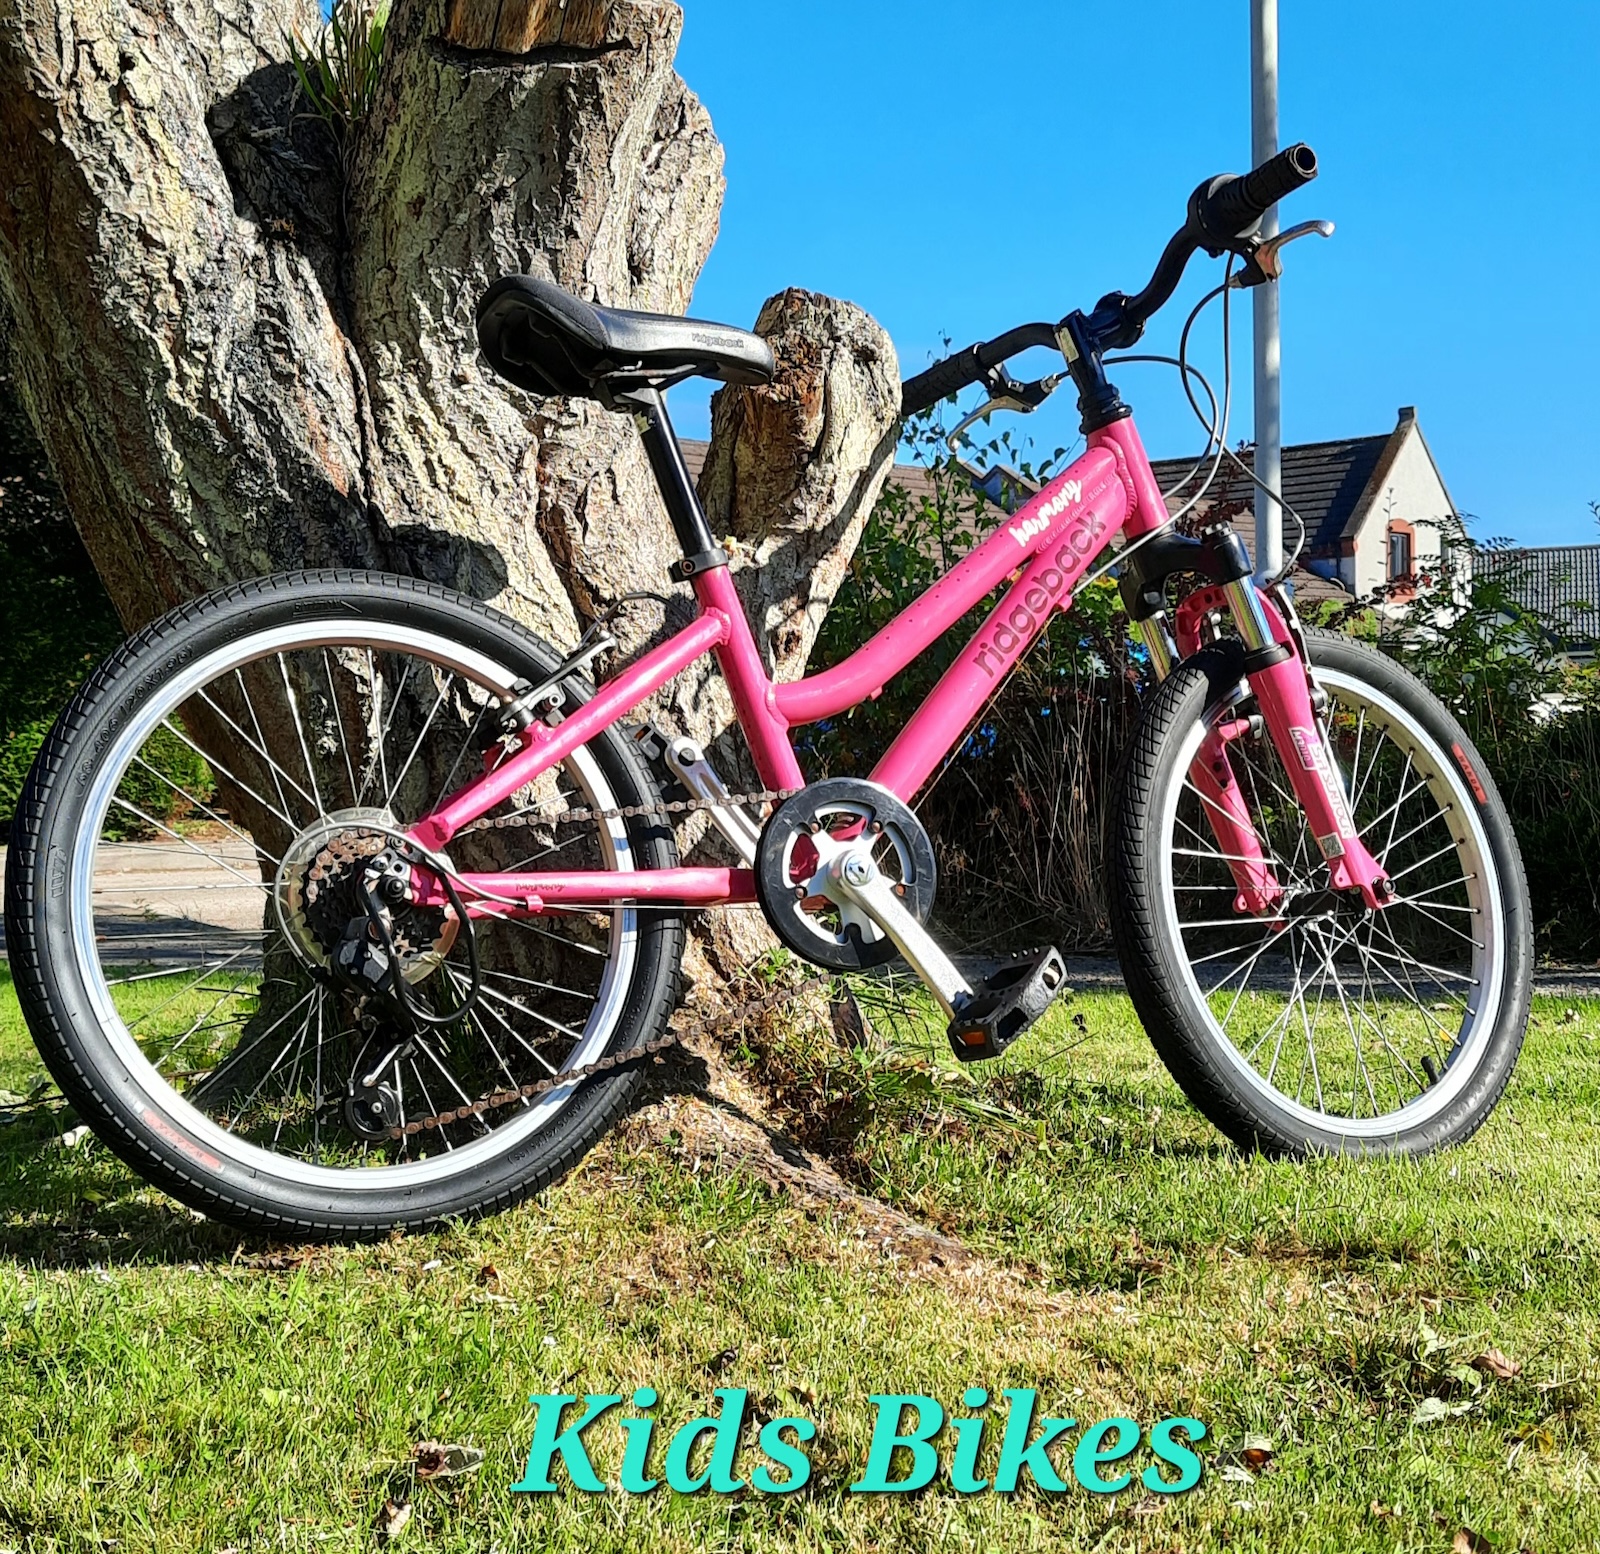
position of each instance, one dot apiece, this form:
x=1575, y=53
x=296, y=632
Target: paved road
x=165, y=902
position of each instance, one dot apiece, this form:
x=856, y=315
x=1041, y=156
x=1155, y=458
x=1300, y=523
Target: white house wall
x=1411, y=492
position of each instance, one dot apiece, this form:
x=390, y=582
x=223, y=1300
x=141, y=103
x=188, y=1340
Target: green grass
x=168, y=1388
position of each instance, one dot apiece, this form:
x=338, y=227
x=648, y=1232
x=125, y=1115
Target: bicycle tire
x=144, y=1119
x=1185, y=1021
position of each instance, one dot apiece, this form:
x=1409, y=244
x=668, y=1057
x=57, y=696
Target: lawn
x=168, y=1388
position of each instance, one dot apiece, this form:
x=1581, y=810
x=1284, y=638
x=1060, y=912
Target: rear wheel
x=1325, y=1026
x=187, y=861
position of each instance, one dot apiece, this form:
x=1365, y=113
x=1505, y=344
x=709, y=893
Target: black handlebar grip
x=940, y=381
x=954, y=373
x=1232, y=207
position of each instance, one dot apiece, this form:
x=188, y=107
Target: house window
x=1399, y=555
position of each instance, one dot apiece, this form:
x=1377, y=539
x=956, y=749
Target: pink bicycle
x=424, y=910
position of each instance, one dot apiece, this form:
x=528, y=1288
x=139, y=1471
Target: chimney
x=1407, y=413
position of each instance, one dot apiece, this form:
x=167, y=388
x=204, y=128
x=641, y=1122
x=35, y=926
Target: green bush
x=1532, y=713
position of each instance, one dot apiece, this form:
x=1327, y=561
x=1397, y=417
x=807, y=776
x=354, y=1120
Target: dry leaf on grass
x=1492, y=1363
x=1256, y=1453
x=392, y=1519
x=1466, y=1541
x=435, y=1460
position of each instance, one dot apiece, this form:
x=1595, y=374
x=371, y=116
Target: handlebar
x=1223, y=214
x=1227, y=209
x=954, y=373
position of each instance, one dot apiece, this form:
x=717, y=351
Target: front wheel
x=186, y=868
x=1323, y=1026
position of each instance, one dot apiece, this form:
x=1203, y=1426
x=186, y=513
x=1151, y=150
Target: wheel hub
x=318, y=895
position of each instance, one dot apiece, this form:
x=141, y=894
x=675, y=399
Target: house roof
x=1322, y=481
x=1558, y=583
x=1328, y=484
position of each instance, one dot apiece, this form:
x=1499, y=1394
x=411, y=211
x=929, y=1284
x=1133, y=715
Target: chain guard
x=821, y=932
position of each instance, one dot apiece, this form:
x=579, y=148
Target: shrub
x=1532, y=713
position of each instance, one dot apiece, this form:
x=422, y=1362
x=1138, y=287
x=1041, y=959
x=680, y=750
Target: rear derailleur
x=371, y=962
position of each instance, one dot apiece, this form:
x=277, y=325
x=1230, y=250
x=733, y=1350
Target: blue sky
x=957, y=169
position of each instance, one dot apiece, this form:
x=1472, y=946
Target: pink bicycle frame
x=1048, y=544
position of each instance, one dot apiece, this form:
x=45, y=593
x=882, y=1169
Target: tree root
x=714, y=1112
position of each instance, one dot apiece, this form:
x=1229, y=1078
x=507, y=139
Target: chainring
x=838, y=937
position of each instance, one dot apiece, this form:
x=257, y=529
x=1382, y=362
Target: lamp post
x=1268, y=359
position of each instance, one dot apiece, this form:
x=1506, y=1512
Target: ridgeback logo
x=1024, y=618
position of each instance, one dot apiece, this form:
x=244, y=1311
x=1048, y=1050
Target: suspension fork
x=1211, y=774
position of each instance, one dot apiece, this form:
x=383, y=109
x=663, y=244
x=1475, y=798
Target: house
x=1558, y=585
x=1376, y=508
x=1377, y=511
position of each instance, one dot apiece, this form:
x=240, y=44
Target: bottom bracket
x=787, y=883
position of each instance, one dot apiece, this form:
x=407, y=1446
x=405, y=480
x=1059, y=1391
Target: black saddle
x=545, y=339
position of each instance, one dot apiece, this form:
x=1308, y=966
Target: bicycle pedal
x=1006, y=1004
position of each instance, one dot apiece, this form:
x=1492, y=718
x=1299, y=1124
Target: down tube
x=1046, y=584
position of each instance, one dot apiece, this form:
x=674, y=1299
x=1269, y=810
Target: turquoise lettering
x=1087, y=1458
x=1176, y=1455
x=638, y=1447
x=1017, y=1453
x=549, y=1438
x=724, y=1448
x=969, y=1441
x=784, y=1455
x=886, y=1438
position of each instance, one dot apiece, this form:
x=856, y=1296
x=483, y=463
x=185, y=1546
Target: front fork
x=1279, y=677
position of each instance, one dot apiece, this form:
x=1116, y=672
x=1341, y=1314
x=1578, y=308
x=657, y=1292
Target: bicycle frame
x=1049, y=544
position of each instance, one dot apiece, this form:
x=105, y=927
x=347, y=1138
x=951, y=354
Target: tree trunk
x=245, y=351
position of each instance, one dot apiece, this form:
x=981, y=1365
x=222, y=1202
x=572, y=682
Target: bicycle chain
x=605, y=1065
x=632, y=811
x=651, y=1049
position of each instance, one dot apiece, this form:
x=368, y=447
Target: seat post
x=700, y=550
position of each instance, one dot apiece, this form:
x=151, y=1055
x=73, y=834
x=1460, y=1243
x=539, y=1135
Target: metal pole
x=1268, y=358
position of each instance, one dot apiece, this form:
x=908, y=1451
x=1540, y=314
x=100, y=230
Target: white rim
x=622, y=953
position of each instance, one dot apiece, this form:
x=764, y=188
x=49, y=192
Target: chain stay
x=651, y=1049
x=631, y=811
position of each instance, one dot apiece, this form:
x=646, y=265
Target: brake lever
x=1005, y=393
x=1265, y=255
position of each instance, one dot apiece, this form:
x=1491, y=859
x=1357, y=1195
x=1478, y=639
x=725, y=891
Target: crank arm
x=688, y=764
x=853, y=881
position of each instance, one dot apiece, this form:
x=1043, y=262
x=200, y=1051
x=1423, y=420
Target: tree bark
x=239, y=362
